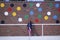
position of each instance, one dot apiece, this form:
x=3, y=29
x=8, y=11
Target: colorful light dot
x=57, y=5
x=58, y=9
x=46, y=17
x=2, y=22
x=50, y=4
x=24, y=5
x=7, y=0
x=6, y=13
x=55, y=17
x=36, y=20
x=31, y=12
x=38, y=5
x=2, y=5
x=31, y=4
x=18, y=8
x=14, y=14
x=26, y=16
x=48, y=13
x=9, y=9
x=57, y=21
x=19, y=19
x=39, y=16
x=12, y=5
x=40, y=9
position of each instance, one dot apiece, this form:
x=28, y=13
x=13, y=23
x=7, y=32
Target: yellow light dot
x=2, y=4
x=18, y=8
x=46, y=17
x=14, y=14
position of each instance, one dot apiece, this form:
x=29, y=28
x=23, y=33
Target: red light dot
x=59, y=10
x=9, y=9
x=36, y=20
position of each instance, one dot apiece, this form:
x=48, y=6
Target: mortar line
x=42, y=30
x=26, y=24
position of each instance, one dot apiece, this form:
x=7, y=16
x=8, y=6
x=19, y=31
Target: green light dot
x=39, y=16
x=26, y=17
x=31, y=4
x=50, y=4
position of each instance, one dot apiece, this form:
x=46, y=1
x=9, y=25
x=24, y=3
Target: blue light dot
x=40, y=9
x=55, y=17
x=31, y=12
x=7, y=0
x=57, y=5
